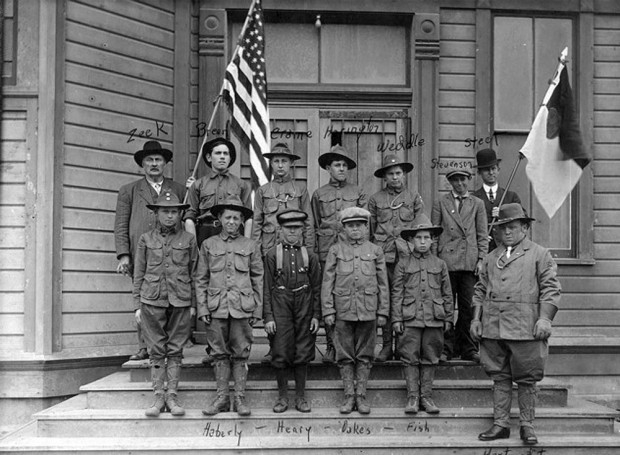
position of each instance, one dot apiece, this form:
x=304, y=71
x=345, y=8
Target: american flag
x=245, y=90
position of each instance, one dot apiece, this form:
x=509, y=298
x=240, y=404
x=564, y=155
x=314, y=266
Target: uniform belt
x=300, y=288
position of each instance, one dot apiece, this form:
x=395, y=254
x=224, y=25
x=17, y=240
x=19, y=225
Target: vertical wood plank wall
x=119, y=76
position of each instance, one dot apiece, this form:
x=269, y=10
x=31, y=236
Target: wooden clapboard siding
x=119, y=70
x=457, y=113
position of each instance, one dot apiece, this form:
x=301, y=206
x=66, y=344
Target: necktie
x=491, y=197
x=460, y=202
x=508, y=250
x=157, y=187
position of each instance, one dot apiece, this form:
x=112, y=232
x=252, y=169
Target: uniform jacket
x=511, y=197
x=213, y=189
x=229, y=278
x=510, y=291
x=390, y=213
x=293, y=276
x=355, y=285
x=133, y=218
x=327, y=203
x=165, y=264
x=273, y=198
x=421, y=292
x=464, y=239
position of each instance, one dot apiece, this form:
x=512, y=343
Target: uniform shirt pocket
x=207, y=200
x=370, y=298
x=344, y=264
x=155, y=252
x=367, y=264
x=214, y=296
x=406, y=212
x=438, y=309
x=150, y=289
x=409, y=306
x=327, y=203
x=180, y=253
x=184, y=288
x=342, y=299
x=217, y=260
x=247, y=300
x=242, y=260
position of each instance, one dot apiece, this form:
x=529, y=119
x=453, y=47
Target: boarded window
x=8, y=41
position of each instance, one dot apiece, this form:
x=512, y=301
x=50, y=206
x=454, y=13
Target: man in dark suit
x=490, y=192
x=134, y=218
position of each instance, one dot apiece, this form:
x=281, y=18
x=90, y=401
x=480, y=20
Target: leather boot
x=221, y=403
x=347, y=373
x=412, y=378
x=158, y=371
x=426, y=389
x=282, y=380
x=330, y=351
x=527, y=395
x=502, y=401
x=173, y=371
x=240, y=375
x=362, y=371
x=386, y=352
x=301, y=372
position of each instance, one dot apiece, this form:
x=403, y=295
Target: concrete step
x=118, y=391
x=342, y=442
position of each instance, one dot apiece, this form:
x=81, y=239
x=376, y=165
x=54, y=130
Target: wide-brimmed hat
x=151, y=148
x=511, y=212
x=281, y=149
x=291, y=217
x=232, y=203
x=169, y=200
x=336, y=153
x=208, y=147
x=420, y=223
x=354, y=214
x=391, y=161
x=486, y=158
x=454, y=172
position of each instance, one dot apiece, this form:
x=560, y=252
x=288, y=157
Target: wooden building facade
x=86, y=82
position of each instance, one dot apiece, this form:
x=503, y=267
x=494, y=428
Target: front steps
x=108, y=417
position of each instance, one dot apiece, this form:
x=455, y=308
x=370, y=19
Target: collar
x=225, y=236
x=337, y=184
x=487, y=188
x=356, y=242
x=419, y=255
x=391, y=190
x=456, y=196
x=167, y=231
x=288, y=246
x=214, y=174
x=287, y=178
x=523, y=242
x=152, y=182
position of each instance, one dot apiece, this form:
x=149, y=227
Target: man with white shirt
x=490, y=192
x=134, y=218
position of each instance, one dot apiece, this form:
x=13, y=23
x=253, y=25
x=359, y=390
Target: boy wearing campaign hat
x=327, y=204
x=206, y=192
x=291, y=311
x=422, y=309
x=463, y=244
x=163, y=294
x=490, y=192
x=229, y=291
x=355, y=298
x=392, y=209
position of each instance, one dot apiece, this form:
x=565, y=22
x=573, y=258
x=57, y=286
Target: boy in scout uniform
x=355, y=297
x=229, y=290
x=392, y=209
x=291, y=311
x=515, y=300
x=165, y=263
x=327, y=203
x=422, y=309
x=463, y=244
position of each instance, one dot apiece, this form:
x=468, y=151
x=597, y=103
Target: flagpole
x=218, y=100
x=554, y=81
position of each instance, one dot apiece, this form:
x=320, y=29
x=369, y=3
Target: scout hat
x=455, y=172
x=390, y=161
x=167, y=199
x=151, y=148
x=486, y=158
x=292, y=217
x=281, y=149
x=354, y=214
x=232, y=203
x=336, y=153
x=208, y=147
x=421, y=223
x=511, y=212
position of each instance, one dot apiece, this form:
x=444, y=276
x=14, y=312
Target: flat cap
x=291, y=217
x=455, y=172
x=354, y=214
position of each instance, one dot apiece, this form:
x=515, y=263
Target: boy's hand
x=270, y=328
x=252, y=321
x=381, y=321
x=398, y=327
x=192, y=312
x=206, y=319
x=478, y=269
x=330, y=320
x=124, y=264
x=138, y=316
x=447, y=326
x=314, y=326
x=475, y=329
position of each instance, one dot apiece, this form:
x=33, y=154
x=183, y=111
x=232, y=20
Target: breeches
x=420, y=345
x=355, y=341
x=165, y=330
x=520, y=361
x=230, y=338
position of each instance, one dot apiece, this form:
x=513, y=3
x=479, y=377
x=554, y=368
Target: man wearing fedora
x=327, y=204
x=422, y=309
x=490, y=192
x=165, y=264
x=462, y=245
x=515, y=300
x=219, y=154
x=229, y=291
x=133, y=218
x=392, y=209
